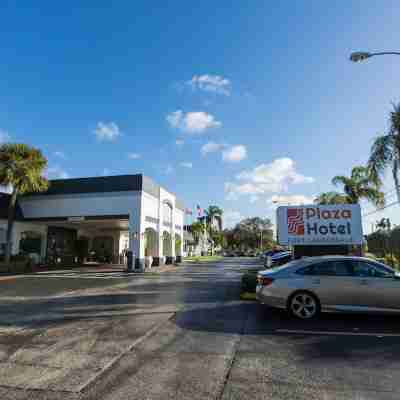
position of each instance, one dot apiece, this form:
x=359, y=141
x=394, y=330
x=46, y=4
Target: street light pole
x=359, y=56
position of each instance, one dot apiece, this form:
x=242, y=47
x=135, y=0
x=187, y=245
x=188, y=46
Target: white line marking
x=307, y=332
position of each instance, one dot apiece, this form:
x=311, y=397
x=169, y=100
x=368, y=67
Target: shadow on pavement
x=256, y=319
x=39, y=312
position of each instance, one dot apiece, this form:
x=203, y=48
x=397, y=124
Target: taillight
x=263, y=280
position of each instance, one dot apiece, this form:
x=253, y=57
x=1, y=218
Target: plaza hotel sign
x=319, y=225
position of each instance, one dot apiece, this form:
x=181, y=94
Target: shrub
x=249, y=282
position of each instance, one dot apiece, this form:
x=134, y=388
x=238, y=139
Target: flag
x=199, y=210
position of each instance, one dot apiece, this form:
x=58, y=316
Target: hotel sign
x=320, y=225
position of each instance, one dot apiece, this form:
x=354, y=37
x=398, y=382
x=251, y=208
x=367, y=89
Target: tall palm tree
x=213, y=213
x=21, y=168
x=360, y=185
x=328, y=198
x=385, y=151
x=197, y=230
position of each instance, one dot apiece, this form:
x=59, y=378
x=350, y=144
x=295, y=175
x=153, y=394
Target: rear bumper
x=267, y=299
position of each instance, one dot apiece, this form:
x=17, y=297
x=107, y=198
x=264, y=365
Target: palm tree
x=21, y=168
x=213, y=213
x=197, y=230
x=385, y=151
x=361, y=185
x=328, y=198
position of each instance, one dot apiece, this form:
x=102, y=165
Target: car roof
x=305, y=261
x=337, y=257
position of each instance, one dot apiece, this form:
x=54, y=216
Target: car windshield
x=284, y=266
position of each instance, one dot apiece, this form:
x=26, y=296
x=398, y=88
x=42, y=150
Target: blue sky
x=135, y=87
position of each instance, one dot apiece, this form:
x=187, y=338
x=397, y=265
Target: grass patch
x=200, y=259
x=149, y=274
x=248, y=296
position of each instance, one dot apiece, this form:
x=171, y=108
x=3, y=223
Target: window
x=167, y=214
x=327, y=268
x=365, y=269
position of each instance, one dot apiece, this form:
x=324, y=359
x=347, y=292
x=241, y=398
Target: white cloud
x=134, y=156
x=234, y=190
x=179, y=142
x=231, y=218
x=174, y=118
x=235, y=153
x=290, y=200
x=186, y=164
x=274, y=177
x=210, y=147
x=107, y=132
x=60, y=154
x=211, y=83
x=4, y=136
x=194, y=122
x=56, y=172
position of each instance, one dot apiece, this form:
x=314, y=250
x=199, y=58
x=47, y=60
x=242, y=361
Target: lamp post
x=359, y=56
x=260, y=227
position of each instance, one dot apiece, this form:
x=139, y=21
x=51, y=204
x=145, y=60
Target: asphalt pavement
x=183, y=335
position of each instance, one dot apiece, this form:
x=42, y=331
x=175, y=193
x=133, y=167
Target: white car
x=307, y=286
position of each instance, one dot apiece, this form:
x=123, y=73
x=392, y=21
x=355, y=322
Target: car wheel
x=304, y=305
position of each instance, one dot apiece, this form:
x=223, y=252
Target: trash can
x=129, y=258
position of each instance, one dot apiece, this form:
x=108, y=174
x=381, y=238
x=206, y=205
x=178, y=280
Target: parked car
x=269, y=253
x=308, y=286
x=252, y=253
x=277, y=259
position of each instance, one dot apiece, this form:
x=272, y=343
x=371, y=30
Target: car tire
x=303, y=305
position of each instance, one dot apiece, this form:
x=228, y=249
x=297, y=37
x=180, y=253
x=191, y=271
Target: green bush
x=18, y=264
x=249, y=282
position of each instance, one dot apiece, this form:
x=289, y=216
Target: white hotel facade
x=110, y=215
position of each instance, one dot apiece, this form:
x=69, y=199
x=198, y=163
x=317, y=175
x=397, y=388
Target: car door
x=331, y=281
x=376, y=286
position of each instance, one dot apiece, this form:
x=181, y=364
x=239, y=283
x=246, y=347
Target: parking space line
x=336, y=333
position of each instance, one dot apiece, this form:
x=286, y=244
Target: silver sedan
x=308, y=286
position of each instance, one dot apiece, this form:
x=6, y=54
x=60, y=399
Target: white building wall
x=166, y=196
x=179, y=221
x=137, y=205
x=83, y=204
x=90, y=204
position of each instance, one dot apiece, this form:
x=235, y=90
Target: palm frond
x=381, y=154
x=340, y=180
x=395, y=120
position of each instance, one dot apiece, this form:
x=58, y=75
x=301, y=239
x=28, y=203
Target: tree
x=213, y=213
x=21, y=168
x=250, y=233
x=385, y=151
x=197, y=230
x=361, y=185
x=383, y=223
x=328, y=198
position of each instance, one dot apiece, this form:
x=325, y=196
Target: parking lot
x=183, y=335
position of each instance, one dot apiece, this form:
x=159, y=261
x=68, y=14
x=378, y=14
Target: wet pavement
x=183, y=335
